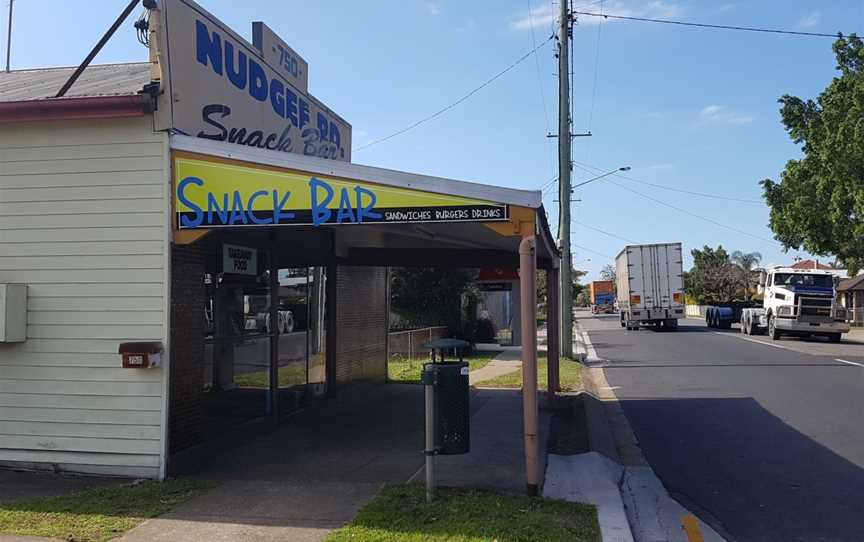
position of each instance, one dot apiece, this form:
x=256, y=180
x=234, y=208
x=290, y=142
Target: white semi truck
x=800, y=302
x=650, y=285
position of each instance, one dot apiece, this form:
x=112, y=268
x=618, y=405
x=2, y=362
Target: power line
x=537, y=64
x=694, y=215
x=669, y=188
x=571, y=75
x=596, y=70
x=703, y=25
x=589, y=4
x=457, y=102
x=548, y=184
x=598, y=230
x=540, y=83
x=586, y=249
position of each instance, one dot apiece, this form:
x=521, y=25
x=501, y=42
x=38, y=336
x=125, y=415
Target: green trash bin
x=452, y=433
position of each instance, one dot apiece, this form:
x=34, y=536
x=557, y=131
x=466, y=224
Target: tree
x=818, y=204
x=575, y=276
x=713, y=278
x=582, y=299
x=748, y=263
x=578, y=288
x=608, y=273
x=431, y=296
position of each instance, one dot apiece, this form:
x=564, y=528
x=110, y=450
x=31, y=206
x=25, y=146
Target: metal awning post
x=528, y=290
x=553, y=323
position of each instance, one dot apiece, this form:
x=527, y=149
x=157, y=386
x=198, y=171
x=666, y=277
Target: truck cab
x=801, y=302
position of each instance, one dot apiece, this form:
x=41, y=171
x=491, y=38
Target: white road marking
x=592, y=354
x=757, y=341
x=849, y=362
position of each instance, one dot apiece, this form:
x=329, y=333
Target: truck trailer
x=602, y=296
x=650, y=285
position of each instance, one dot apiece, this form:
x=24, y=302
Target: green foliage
x=582, y=299
x=569, y=375
x=575, y=275
x=608, y=273
x=818, y=204
x=401, y=514
x=433, y=297
x=405, y=370
x=578, y=288
x=748, y=264
x=96, y=515
x=713, y=278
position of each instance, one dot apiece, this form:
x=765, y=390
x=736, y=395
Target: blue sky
x=687, y=108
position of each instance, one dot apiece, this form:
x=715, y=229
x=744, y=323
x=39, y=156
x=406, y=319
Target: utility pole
x=564, y=167
x=9, y=37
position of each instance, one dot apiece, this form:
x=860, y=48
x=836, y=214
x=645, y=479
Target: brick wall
x=186, y=412
x=361, y=349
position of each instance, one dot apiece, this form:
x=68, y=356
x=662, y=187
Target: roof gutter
x=79, y=108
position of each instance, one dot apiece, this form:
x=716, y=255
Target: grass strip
x=291, y=374
x=570, y=373
x=96, y=515
x=400, y=514
x=406, y=370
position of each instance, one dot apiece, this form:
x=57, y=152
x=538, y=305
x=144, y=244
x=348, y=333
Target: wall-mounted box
x=13, y=313
x=141, y=355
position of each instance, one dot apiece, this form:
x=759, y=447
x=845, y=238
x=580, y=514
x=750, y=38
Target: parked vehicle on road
x=286, y=320
x=650, y=285
x=602, y=296
x=799, y=302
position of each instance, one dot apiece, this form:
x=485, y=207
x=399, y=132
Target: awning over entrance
x=313, y=211
x=376, y=216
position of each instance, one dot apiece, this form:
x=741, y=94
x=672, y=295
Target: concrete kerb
x=594, y=477
x=615, y=457
x=590, y=478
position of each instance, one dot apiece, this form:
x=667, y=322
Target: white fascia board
x=334, y=168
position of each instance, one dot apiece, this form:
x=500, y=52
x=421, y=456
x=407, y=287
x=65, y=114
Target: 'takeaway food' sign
x=214, y=193
x=239, y=260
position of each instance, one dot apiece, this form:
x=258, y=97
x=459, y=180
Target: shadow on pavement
x=317, y=469
x=761, y=478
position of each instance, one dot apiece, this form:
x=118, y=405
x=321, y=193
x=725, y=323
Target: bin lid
x=438, y=344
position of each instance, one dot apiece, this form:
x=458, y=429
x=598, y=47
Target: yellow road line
x=691, y=528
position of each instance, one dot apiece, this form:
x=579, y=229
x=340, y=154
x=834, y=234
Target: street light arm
x=626, y=168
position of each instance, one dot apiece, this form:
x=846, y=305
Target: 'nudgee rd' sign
x=218, y=86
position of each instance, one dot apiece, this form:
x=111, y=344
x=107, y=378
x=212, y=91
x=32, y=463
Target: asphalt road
x=764, y=440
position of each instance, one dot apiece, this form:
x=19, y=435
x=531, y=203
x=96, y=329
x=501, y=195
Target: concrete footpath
x=315, y=471
x=506, y=362
x=632, y=503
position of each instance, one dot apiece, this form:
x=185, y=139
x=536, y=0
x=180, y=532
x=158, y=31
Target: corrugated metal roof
x=96, y=80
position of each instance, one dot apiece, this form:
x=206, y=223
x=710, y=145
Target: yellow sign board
x=211, y=193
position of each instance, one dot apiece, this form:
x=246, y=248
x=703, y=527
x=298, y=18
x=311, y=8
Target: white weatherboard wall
x=83, y=210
